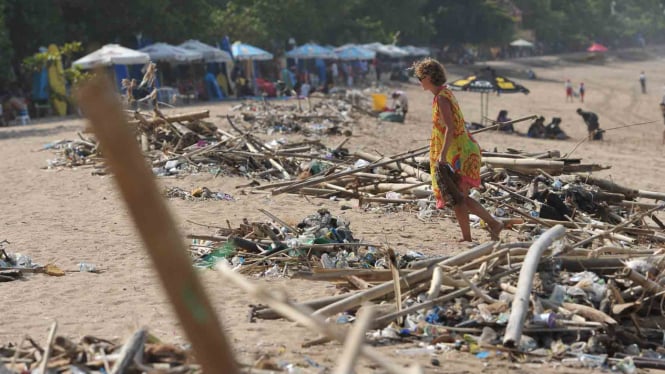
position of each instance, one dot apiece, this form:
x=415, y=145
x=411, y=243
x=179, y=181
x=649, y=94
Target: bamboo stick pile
x=184, y=144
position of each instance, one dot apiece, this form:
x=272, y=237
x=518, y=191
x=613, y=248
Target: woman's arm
x=447, y=121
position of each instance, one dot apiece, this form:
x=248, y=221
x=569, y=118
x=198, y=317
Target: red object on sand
x=596, y=47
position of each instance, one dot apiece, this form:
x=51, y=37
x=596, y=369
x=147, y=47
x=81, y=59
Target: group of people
x=570, y=93
x=552, y=130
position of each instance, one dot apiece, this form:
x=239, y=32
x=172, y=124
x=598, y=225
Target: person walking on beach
x=452, y=146
x=592, y=126
x=569, y=91
x=582, y=91
x=643, y=82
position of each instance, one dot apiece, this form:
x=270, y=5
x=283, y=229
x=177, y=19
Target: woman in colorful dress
x=453, y=146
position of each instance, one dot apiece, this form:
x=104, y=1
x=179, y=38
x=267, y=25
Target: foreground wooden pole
x=156, y=226
x=520, y=305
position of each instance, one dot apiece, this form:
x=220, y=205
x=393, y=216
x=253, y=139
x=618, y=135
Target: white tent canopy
x=170, y=53
x=386, y=49
x=210, y=53
x=416, y=51
x=521, y=43
x=112, y=54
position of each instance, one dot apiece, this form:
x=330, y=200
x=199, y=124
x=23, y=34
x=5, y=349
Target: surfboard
x=56, y=81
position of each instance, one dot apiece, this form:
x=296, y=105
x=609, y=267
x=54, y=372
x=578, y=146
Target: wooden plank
x=158, y=230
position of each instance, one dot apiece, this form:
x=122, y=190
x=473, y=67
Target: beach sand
x=70, y=216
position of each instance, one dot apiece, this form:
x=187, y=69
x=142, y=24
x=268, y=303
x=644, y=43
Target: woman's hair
x=431, y=68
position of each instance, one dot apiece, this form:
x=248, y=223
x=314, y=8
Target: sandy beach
x=68, y=216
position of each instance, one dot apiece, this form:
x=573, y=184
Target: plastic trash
x=625, y=366
x=86, y=267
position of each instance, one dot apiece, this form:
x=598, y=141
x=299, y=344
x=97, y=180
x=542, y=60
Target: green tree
x=5, y=47
x=471, y=21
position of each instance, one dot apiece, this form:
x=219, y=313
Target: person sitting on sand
x=537, y=128
x=591, y=121
x=503, y=117
x=451, y=146
x=553, y=130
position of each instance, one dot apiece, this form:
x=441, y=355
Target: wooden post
x=159, y=232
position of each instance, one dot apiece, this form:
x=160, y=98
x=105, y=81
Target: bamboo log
x=527, y=166
x=410, y=279
x=325, y=178
x=415, y=172
x=156, y=226
x=386, y=187
x=651, y=195
x=174, y=118
x=520, y=304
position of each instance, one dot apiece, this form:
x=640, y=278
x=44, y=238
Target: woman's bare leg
x=462, y=214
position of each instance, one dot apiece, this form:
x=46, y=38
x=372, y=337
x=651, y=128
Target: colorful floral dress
x=463, y=154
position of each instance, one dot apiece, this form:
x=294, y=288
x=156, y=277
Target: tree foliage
x=26, y=25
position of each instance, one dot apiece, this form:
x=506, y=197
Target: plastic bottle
x=86, y=267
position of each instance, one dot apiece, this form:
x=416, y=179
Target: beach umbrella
x=210, y=53
x=597, y=47
x=484, y=83
x=112, y=54
x=242, y=51
x=521, y=43
x=170, y=53
x=310, y=51
x=354, y=52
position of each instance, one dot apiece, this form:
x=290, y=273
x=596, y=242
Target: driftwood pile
x=141, y=353
x=533, y=301
x=185, y=143
x=275, y=247
x=587, y=288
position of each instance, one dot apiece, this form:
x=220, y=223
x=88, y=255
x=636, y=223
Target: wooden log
x=354, y=342
x=268, y=313
x=520, y=305
x=410, y=170
x=158, y=230
x=617, y=227
x=610, y=186
x=590, y=313
x=527, y=166
x=325, y=178
x=408, y=280
x=651, y=195
x=131, y=348
x=174, y=118
x=48, y=348
x=386, y=187
x=303, y=316
x=648, y=285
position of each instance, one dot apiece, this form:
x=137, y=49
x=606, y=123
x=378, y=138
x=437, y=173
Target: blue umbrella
x=243, y=51
x=310, y=51
x=354, y=52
